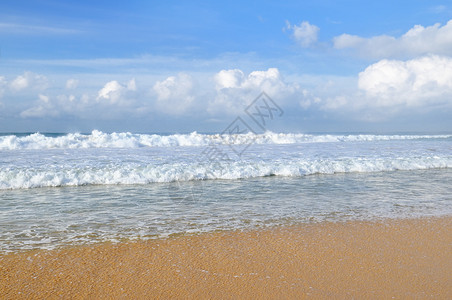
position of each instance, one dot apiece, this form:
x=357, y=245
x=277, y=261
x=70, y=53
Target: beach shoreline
x=402, y=258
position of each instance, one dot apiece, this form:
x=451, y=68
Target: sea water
x=71, y=189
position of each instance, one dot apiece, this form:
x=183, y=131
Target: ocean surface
x=73, y=189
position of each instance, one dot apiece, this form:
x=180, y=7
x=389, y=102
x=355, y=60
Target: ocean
x=74, y=189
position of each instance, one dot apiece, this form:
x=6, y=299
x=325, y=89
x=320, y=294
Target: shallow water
x=52, y=217
x=62, y=189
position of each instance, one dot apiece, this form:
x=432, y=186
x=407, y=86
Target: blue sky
x=180, y=66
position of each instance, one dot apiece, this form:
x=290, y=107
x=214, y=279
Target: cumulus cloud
x=389, y=88
x=175, y=94
x=114, y=100
x=43, y=108
x=235, y=90
x=29, y=80
x=110, y=91
x=229, y=79
x=71, y=84
x=304, y=34
x=19, y=83
x=422, y=81
x=419, y=40
x=83, y=106
x=383, y=89
x=115, y=92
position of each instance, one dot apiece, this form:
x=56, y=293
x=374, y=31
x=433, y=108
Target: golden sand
x=395, y=258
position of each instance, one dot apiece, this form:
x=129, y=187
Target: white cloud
x=419, y=40
x=305, y=34
x=229, y=79
x=132, y=85
x=67, y=99
x=44, y=98
x=43, y=108
x=174, y=94
x=29, y=80
x=308, y=99
x=384, y=89
x=438, y=9
x=417, y=82
x=115, y=92
x=71, y=84
x=34, y=29
x=234, y=90
x=66, y=105
x=387, y=89
x=3, y=84
x=269, y=80
x=113, y=100
x=111, y=91
x=19, y=83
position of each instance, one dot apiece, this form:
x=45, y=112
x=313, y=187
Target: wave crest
x=17, y=178
x=98, y=139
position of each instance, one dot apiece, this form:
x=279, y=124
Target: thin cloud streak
x=35, y=29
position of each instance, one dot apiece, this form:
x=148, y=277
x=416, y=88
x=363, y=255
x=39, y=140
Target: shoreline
x=391, y=258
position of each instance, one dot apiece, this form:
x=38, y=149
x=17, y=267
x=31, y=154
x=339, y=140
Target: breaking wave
x=98, y=139
x=129, y=173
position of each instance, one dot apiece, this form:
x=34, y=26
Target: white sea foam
x=126, y=173
x=98, y=139
x=112, y=206
x=126, y=158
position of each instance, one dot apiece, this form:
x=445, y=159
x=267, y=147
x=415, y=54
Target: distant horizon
x=214, y=133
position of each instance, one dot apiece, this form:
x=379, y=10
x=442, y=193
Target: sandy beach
x=392, y=258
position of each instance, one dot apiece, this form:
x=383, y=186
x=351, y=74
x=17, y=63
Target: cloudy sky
x=180, y=66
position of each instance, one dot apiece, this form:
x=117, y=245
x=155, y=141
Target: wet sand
x=393, y=258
